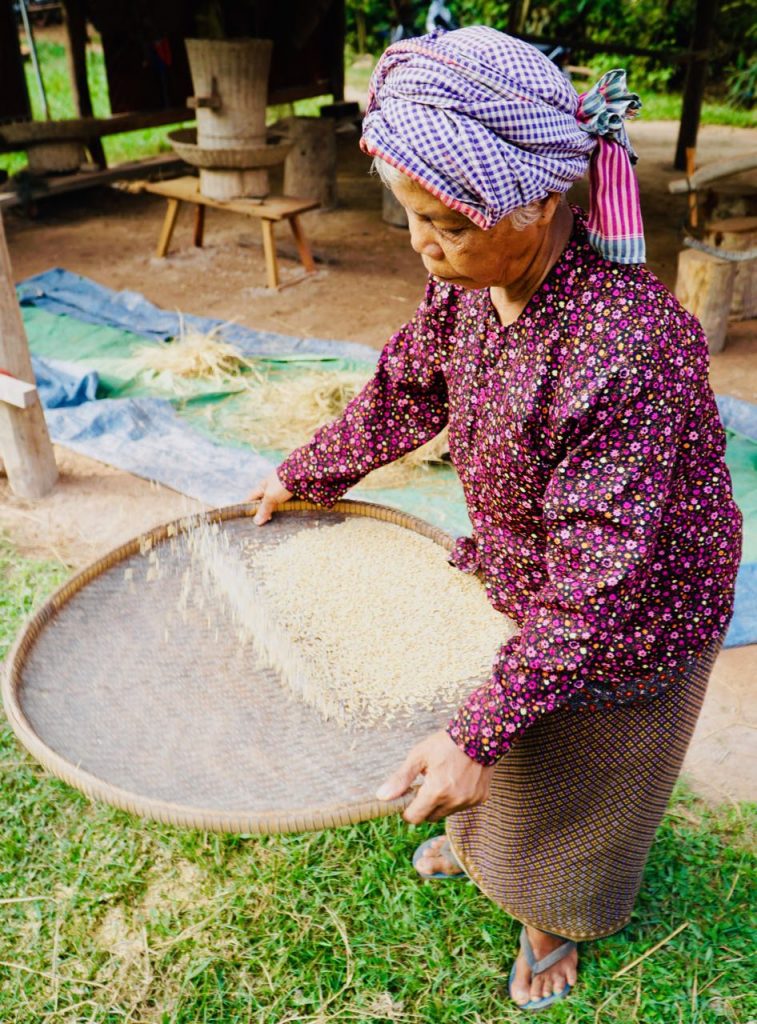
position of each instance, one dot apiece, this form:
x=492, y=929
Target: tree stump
x=25, y=447
x=310, y=165
x=735, y=234
x=704, y=286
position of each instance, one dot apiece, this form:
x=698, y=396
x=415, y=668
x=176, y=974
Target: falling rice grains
x=383, y=625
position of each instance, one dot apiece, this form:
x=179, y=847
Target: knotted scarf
x=487, y=124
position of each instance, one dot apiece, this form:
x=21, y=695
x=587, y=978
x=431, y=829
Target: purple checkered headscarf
x=487, y=124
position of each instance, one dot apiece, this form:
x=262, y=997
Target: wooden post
x=269, y=249
x=702, y=39
x=336, y=35
x=735, y=234
x=25, y=446
x=199, y=226
x=76, y=54
x=704, y=285
x=12, y=81
x=691, y=166
x=310, y=165
x=303, y=246
x=169, y=223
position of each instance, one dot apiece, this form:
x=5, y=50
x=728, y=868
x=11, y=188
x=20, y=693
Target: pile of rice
x=364, y=620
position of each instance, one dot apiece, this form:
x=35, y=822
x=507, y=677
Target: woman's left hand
x=452, y=781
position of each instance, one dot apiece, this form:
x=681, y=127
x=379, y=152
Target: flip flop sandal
x=538, y=967
x=445, y=851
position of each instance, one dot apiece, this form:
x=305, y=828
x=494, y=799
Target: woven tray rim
x=263, y=823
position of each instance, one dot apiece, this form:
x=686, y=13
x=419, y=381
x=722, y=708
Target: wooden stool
x=268, y=211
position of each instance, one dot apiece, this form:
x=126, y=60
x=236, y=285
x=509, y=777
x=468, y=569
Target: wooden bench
x=268, y=211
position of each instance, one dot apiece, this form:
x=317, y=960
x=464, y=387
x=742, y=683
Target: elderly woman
x=588, y=444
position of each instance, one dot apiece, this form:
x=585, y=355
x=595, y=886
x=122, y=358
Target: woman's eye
x=450, y=232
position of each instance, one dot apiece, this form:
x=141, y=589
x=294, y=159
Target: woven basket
x=175, y=727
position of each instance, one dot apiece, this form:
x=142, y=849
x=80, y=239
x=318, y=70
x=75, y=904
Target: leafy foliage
x=663, y=25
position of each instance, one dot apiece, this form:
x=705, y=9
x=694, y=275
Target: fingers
x=271, y=493
x=425, y=807
x=265, y=510
x=400, y=782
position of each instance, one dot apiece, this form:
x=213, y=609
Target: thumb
x=401, y=781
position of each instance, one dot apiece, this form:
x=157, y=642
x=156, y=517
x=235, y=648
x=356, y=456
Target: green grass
x=667, y=107
x=118, y=920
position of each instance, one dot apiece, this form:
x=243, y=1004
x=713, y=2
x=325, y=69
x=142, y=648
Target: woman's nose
x=422, y=238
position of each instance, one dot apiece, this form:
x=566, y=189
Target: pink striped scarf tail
x=615, y=226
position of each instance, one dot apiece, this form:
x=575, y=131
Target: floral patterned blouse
x=589, y=447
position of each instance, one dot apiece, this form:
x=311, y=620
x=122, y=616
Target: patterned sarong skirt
x=562, y=841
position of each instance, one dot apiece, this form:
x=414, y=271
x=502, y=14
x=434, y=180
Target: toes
x=433, y=861
x=537, y=988
x=521, y=982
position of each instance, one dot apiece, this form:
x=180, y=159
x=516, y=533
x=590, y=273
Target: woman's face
x=453, y=249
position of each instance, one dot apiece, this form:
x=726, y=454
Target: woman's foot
x=437, y=858
x=527, y=988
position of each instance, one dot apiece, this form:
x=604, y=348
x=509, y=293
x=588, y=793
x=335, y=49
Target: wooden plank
x=162, y=163
x=22, y=134
x=169, y=223
x=25, y=445
x=16, y=392
x=187, y=189
x=713, y=172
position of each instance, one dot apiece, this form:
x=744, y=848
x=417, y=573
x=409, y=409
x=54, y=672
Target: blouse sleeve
x=402, y=407
x=602, y=510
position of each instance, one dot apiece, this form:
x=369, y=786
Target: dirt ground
x=368, y=283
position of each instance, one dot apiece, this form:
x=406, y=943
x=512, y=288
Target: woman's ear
x=549, y=207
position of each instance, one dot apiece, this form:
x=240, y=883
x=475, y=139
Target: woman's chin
x=462, y=282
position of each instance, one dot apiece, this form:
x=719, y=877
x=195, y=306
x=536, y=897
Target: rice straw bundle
x=192, y=357
x=279, y=415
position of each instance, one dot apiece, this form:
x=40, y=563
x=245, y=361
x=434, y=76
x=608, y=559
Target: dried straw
x=282, y=414
x=192, y=357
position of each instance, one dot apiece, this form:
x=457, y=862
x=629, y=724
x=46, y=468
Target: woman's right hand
x=270, y=492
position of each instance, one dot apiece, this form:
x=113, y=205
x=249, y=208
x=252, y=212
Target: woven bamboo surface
x=171, y=717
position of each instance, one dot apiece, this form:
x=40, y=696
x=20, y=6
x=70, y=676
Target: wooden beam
x=22, y=134
x=713, y=172
x=163, y=163
x=17, y=392
x=75, y=21
x=585, y=46
x=25, y=446
x=696, y=76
